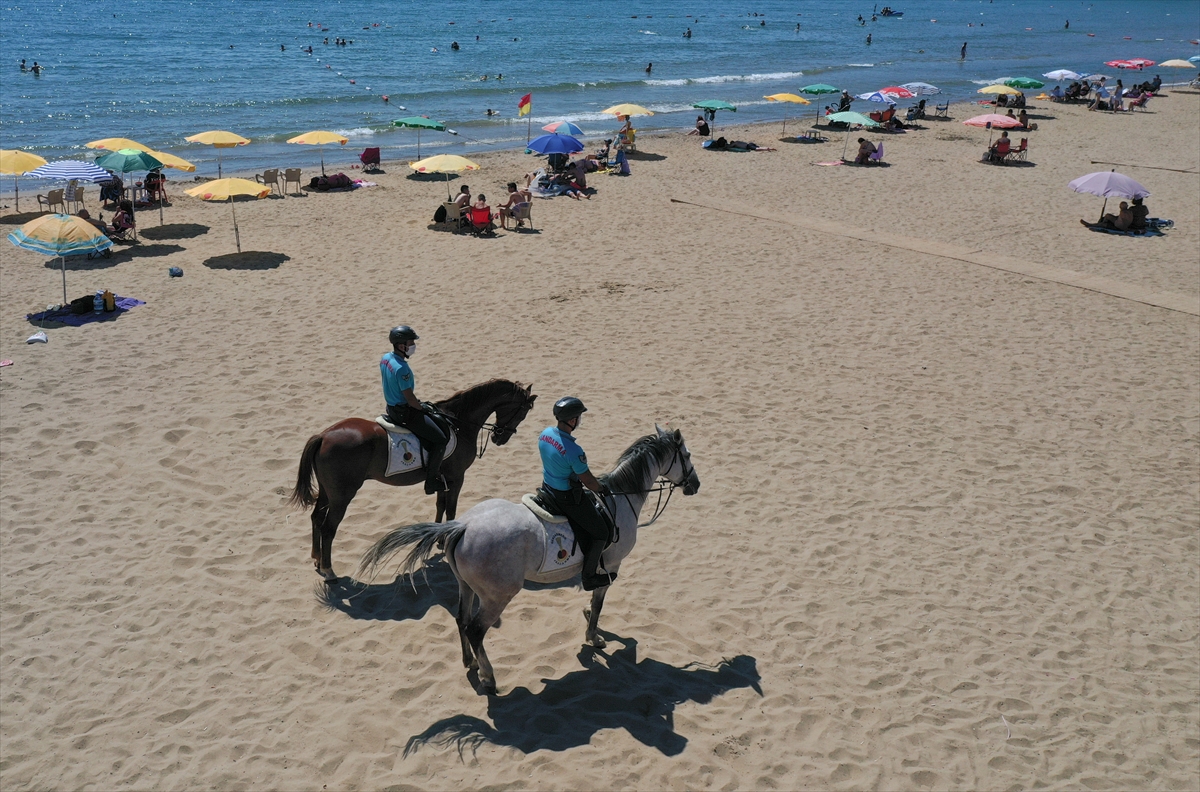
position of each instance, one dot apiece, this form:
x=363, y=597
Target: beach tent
x=60, y=235
x=16, y=162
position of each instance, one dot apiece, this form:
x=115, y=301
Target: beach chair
x=877, y=156
x=481, y=222
x=454, y=215
x=942, y=110
x=628, y=140
x=1021, y=152
x=73, y=195
x=521, y=213
x=52, y=199
x=1140, y=103
x=292, y=175
x=370, y=160
x=271, y=177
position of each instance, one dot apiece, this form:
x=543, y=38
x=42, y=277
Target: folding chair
x=370, y=160
x=481, y=222
x=1019, y=153
x=877, y=155
x=942, y=110
x=270, y=177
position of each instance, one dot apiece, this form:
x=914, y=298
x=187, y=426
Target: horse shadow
x=612, y=691
x=403, y=599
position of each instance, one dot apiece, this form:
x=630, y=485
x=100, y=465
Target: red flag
x=523, y=106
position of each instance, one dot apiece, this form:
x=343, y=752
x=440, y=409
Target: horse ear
x=532, y=399
x=678, y=436
x=661, y=432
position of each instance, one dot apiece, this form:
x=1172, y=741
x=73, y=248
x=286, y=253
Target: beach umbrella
x=786, y=97
x=567, y=128
x=995, y=119
x=319, y=137
x=710, y=108
x=1130, y=63
x=1059, y=75
x=1194, y=59
x=1096, y=77
x=819, y=88
x=218, y=139
x=627, y=110
x=850, y=118
x=1024, y=82
x=876, y=96
x=226, y=190
x=1108, y=184
x=128, y=161
x=171, y=161
x=998, y=88
x=554, y=144
x=60, y=235
x=15, y=162
x=418, y=123
x=1177, y=63
x=116, y=144
x=898, y=91
x=922, y=88
x=71, y=170
x=444, y=163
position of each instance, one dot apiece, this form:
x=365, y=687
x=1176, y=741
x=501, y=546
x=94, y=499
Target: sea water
x=157, y=71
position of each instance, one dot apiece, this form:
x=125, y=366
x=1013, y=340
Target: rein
x=662, y=484
x=481, y=440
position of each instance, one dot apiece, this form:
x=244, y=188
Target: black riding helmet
x=568, y=407
x=401, y=334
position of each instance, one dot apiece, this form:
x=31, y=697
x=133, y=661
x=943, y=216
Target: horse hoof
x=487, y=688
x=330, y=578
x=595, y=641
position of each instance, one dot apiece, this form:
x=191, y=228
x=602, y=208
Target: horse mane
x=470, y=398
x=632, y=468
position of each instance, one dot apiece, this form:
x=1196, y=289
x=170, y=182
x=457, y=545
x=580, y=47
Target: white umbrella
x=1108, y=184
x=1062, y=74
x=67, y=170
x=876, y=96
x=922, y=88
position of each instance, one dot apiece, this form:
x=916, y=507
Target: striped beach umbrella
x=60, y=235
x=66, y=170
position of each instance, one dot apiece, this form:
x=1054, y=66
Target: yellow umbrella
x=218, y=139
x=998, y=88
x=627, y=110
x=225, y=190
x=1178, y=63
x=786, y=97
x=444, y=163
x=15, y=161
x=171, y=161
x=319, y=137
x=116, y=144
x=60, y=235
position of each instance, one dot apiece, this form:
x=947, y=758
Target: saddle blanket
x=404, y=448
x=558, y=560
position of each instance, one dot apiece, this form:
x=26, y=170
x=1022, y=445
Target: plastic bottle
x=98, y=302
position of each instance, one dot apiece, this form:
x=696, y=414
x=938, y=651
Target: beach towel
x=67, y=316
x=1151, y=231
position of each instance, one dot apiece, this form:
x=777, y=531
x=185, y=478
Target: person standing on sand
x=404, y=409
x=564, y=475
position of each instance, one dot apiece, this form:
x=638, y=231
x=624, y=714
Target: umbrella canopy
x=922, y=88
x=1024, y=82
x=171, y=161
x=444, y=163
x=225, y=190
x=626, y=110
x=116, y=144
x=128, y=160
x=1109, y=184
x=218, y=139
x=15, y=161
x=319, y=137
x=876, y=96
x=714, y=105
x=998, y=88
x=1096, y=77
x=418, y=123
x=787, y=97
x=1062, y=74
x=1194, y=59
x=995, y=119
x=60, y=235
x=554, y=144
x=1177, y=63
x=898, y=91
x=66, y=170
x=850, y=117
x=817, y=89
x=1130, y=63
x=567, y=128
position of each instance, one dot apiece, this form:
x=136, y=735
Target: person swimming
x=649, y=66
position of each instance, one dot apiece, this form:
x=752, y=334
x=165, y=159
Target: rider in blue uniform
x=403, y=408
x=564, y=475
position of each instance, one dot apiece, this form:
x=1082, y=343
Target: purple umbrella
x=1109, y=184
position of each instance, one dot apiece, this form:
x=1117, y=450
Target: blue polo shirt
x=397, y=377
x=561, y=457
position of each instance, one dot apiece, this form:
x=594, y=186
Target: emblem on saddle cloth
x=557, y=552
x=404, y=448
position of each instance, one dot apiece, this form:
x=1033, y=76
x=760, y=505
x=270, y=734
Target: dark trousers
x=433, y=439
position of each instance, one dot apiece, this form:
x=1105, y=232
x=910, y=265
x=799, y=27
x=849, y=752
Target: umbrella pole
x=322, y=160
x=219, y=163
x=846, y=145
x=62, y=260
x=418, y=144
x=237, y=237
x=17, y=187
x=447, y=175
x=1102, y=208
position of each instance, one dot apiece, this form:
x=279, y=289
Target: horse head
x=680, y=471
x=510, y=414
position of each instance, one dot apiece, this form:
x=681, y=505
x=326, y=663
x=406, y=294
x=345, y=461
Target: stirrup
x=436, y=485
x=599, y=581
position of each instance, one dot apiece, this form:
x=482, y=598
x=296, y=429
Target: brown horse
x=351, y=451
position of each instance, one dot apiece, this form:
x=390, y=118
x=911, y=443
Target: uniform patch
x=583, y=458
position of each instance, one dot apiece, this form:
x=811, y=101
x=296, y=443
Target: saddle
x=405, y=452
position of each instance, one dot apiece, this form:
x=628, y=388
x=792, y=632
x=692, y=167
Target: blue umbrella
x=564, y=128
x=876, y=96
x=554, y=144
x=66, y=170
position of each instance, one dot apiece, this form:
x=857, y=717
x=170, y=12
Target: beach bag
x=439, y=216
x=339, y=181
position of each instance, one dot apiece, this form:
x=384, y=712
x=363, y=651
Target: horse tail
x=304, y=495
x=423, y=537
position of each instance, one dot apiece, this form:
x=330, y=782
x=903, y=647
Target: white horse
x=498, y=545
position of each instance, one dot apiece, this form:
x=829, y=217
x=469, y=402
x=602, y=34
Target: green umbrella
x=1024, y=82
x=850, y=118
x=418, y=123
x=816, y=89
x=127, y=161
x=710, y=108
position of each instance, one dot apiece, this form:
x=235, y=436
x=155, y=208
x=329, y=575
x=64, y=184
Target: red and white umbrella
x=898, y=91
x=1130, y=63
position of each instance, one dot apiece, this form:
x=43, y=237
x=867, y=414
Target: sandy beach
x=948, y=444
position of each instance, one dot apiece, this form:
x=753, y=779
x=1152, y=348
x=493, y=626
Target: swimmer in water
x=1067, y=26
x=490, y=112
x=649, y=66
x=282, y=48
x=484, y=77
x=962, y=55
x=23, y=67
x=868, y=39
x=499, y=76
x=454, y=45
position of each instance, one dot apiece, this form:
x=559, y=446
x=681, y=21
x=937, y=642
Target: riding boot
x=434, y=483
x=591, y=561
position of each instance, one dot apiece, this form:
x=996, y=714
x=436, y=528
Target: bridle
x=484, y=438
x=661, y=484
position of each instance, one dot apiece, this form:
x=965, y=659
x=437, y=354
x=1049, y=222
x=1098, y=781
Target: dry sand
x=946, y=538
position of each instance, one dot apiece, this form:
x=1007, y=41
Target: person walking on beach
x=404, y=409
x=565, y=473
x=962, y=55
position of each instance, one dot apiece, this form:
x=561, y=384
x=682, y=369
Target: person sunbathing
x=84, y=214
x=1140, y=213
x=701, y=127
x=1116, y=222
x=1023, y=119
